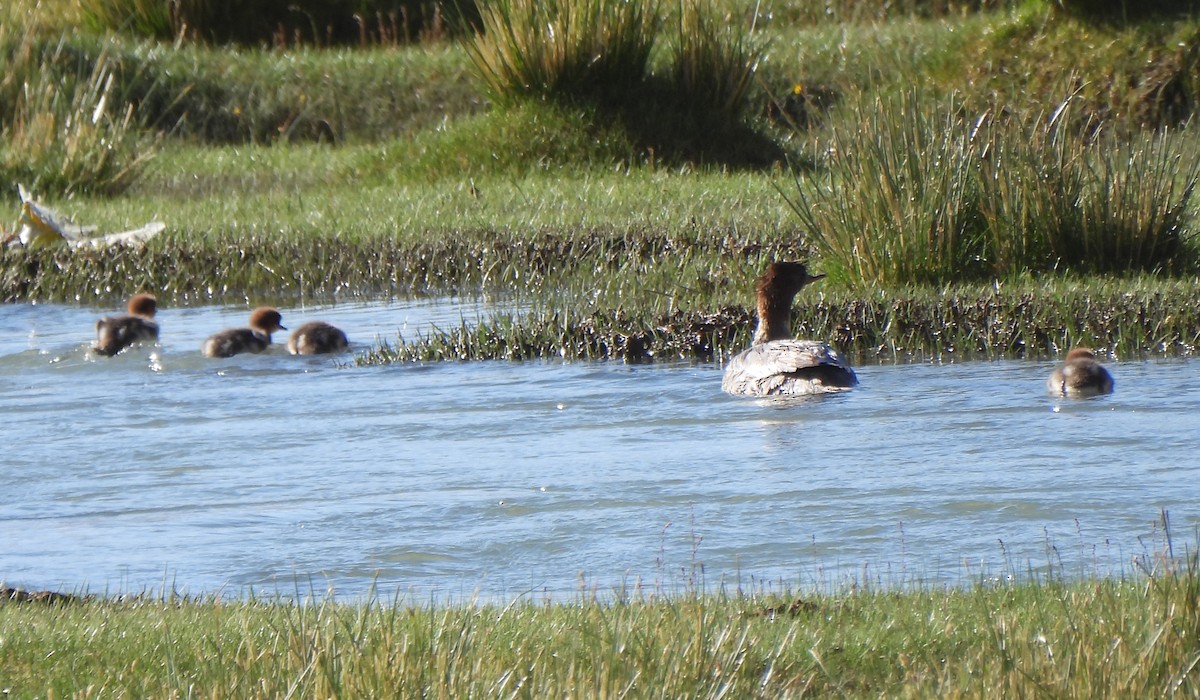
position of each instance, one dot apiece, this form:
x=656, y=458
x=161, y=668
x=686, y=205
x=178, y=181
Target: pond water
x=160, y=469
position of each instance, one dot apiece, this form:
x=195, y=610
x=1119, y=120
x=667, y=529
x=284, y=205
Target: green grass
x=1130, y=637
x=714, y=56
x=914, y=194
x=235, y=96
x=63, y=127
x=629, y=225
x=563, y=49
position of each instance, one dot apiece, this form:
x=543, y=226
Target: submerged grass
x=1128, y=637
x=1119, y=320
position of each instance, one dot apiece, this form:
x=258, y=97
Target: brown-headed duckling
x=263, y=322
x=1080, y=374
x=115, y=333
x=316, y=338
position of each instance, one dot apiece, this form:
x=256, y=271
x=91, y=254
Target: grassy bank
x=1135, y=637
x=391, y=169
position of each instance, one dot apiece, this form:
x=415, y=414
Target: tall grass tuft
x=62, y=128
x=918, y=193
x=563, y=48
x=714, y=57
x=1057, y=195
x=1134, y=212
x=898, y=203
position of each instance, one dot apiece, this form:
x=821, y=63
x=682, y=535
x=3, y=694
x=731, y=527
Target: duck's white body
x=776, y=364
x=787, y=368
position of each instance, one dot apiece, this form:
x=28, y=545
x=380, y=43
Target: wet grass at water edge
x=631, y=295
x=1153, y=319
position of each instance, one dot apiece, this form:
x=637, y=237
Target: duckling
x=777, y=364
x=115, y=333
x=263, y=322
x=315, y=338
x=1080, y=374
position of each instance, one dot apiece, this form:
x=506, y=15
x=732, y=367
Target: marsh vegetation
x=896, y=146
x=983, y=178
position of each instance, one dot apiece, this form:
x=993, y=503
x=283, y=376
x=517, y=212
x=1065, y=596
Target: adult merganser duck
x=315, y=338
x=1080, y=374
x=115, y=333
x=777, y=364
x=263, y=322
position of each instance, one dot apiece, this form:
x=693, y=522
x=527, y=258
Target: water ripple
x=275, y=473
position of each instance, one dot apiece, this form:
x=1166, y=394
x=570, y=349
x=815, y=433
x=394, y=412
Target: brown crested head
x=143, y=305
x=267, y=319
x=784, y=278
x=1080, y=354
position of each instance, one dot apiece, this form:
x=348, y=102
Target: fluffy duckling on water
x=263, y=322
x=1080, y=374
x=115, y=333
x=777, y=364
x=316, y=338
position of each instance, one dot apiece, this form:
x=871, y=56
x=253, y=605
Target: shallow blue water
x=161, y=468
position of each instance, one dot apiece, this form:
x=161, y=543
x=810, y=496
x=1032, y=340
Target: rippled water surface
x=160, y=468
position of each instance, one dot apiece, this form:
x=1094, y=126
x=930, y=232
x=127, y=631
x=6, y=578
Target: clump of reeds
x=899, y=204
x=563, y=48
x=597, y=54
x=714, y=56
x=1057, y=200
x=63, y=128
x=572, y=50
x=921, y=194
